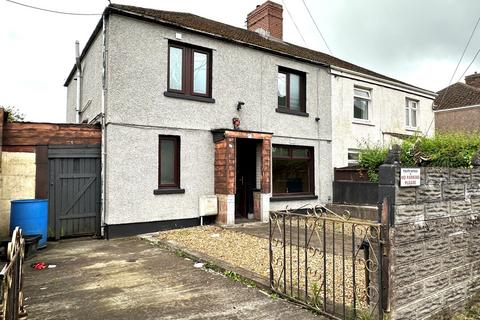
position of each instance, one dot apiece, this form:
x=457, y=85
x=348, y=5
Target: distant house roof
x=242, y=36
x=456, y=96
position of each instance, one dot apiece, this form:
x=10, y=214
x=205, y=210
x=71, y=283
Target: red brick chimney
x=473, y=80
x=267, y=19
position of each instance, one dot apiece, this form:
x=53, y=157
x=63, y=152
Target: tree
x=14, y=114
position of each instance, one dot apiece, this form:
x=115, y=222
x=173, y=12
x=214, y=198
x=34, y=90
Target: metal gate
x=74, y=190
x=327, y=262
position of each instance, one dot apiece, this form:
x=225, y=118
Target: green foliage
x=180, y=253
x=238, y=278
x=370, y=158
x=452, y=150
x=14, y=114
x=232, y=275
x=274, y=296
x=449, y=150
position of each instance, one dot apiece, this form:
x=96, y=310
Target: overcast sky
x=419, y=42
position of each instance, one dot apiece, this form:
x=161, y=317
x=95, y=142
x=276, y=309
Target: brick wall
x=268, y=17
x=225, y=166
x=435, y=243
x=462, y=120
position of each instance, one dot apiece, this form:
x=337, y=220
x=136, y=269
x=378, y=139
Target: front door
x=245, y=177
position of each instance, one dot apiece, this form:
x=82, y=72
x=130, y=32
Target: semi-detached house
x=192, y=107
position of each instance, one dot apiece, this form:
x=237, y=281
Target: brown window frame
x=311, y=168
x=187, y=72
x=176, y=164
x=303, y=90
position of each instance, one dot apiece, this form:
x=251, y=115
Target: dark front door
x=74, y=191
x=246, y=176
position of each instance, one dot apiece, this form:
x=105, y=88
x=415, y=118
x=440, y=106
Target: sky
x=418, y=42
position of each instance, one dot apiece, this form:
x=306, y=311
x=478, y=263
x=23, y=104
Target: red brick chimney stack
x=267, y=19
x=473, y=80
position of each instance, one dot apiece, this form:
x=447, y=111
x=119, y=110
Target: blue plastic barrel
x=31, y=216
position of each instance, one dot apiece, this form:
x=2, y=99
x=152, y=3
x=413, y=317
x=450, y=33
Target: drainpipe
x=104, y=125
x=78, y=63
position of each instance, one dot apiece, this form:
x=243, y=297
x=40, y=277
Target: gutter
x=78, y=64
x=108, y=10
x=103, y=123
x=459, y=108
x=346, y=73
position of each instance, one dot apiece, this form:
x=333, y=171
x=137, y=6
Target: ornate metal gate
x=11, y=280
x=327, y=262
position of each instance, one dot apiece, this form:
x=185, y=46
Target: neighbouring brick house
x=457, y=107
x=192, y=107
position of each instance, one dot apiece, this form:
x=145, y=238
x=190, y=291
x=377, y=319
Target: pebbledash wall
x=137, y=112
x=386, y=115
x=434, y=241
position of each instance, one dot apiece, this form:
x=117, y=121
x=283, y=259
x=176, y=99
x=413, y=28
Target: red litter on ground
x=39, y=265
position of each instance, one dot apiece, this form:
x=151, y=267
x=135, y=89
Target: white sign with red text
x=409, y=177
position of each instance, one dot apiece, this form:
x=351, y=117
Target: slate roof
x=238, y=35
x=456, y=96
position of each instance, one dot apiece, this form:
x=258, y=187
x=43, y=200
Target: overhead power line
x=316, y=26
x=470, y=64
x=464, y=50
x=54, y=11
x=291, y=17
x=456, y=68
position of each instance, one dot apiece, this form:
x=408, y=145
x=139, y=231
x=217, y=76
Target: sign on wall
x=409, y=177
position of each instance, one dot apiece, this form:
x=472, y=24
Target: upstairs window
x=361, y=104
x=292, y=170
x=411, y=113
x=291, y=90
x=189, y=70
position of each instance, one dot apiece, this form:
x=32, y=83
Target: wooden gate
x=74, y=190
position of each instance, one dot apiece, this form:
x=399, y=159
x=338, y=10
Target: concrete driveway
x=132, y=279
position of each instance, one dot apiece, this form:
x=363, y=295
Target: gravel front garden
x=250, y=252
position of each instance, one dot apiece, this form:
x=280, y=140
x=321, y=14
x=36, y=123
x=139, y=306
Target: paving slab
x=133, y=279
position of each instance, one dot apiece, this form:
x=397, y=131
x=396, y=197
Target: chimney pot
x=473, y=80
x=267, y=19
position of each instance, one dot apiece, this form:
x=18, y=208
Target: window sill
x=293, y=198
x=292, y=112
x=168, y=191
x=188, y=97
x=363, y=122
x=412, y=129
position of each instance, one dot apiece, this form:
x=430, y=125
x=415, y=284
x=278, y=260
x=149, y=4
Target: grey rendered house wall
x=137, y=112
x=91, y=85
x=71, y=100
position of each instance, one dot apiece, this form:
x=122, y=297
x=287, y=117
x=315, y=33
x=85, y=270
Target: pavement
x=133, y=279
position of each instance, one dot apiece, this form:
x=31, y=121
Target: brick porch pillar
x=265, y=183
x=225, y=180
x=225, y=173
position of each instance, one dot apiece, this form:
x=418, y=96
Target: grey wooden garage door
x=74, y=191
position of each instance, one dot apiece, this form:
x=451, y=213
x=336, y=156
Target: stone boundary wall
x=435, y=242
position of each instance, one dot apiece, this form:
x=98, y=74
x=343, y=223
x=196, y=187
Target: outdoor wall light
x=239, y=105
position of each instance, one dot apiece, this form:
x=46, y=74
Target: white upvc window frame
x=353, y=162
x=369, y=104
x=411, y=107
